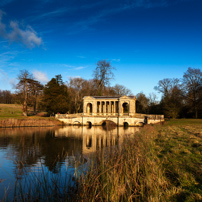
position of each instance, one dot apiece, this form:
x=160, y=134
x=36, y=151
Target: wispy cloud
x=25, y=36
x=6, y=80
x=54, y=13
x=7, y=57
x=78, y=68
x=116, y=60
x=74, y=67
x=73, y=77
x=40, y=76
x=112, y=7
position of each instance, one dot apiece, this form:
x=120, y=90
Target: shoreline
x=29, y=122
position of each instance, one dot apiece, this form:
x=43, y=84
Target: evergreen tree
x=56, y=98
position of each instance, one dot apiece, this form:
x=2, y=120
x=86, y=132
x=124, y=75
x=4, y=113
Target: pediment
x=88, y=98
x=124, y=97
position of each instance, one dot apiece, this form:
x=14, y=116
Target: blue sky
x=145, y=40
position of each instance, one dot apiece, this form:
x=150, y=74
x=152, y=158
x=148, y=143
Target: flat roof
x=110, y=97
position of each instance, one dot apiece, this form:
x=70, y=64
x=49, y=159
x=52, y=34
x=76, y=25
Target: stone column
x=84, y=108
x=132, y=107
x=94, y=107
x=104, y=107
x=110, y=107
x=120, y=108
x=100, y=107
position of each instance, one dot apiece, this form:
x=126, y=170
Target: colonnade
x=103, y=106
x=107, y=107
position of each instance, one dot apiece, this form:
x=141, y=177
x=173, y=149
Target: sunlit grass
x=11, y=116
x=10, y=111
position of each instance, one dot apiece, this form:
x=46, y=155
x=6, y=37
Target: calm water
x=53, y=151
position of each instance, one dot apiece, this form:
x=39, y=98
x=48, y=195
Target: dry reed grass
x=10, y=123
x=130, y=173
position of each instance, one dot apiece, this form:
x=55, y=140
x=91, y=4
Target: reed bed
x=131, y=172
x=29, y=122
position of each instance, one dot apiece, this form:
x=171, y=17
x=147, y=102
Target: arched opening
x=145, y=120
x=125, y=107
x=76, y=123
x=108, y=125
x=89, y=124
x=125, y=124
x=89, y=142
x=89, y=108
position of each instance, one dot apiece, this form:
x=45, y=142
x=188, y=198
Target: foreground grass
x=179, y=148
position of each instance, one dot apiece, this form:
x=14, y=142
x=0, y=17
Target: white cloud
x=12, y=82
x=78, y=68
x=6, y=81
x=74, y=67
x=73, y=77
x=40, y=76
x=26, y=36
x=116, y=60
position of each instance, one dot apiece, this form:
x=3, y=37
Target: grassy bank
x=29, y=122
x=11, y=116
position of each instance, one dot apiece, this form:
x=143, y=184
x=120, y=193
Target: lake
x=59, y=155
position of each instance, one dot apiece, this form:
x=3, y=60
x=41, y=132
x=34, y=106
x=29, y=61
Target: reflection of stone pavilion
x=96, y=138
x=118, y=109
x=102, y=105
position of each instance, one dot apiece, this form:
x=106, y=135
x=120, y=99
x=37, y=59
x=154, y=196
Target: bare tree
x=35, y=90
x=121, y=90
x=102, y=75
x=142, y=103
x=75, y=88
x=24, y=77
x=192, y=87
x=172, y=99
x=6, y=97
x=166, y=85
x=152, y=99
x=29, y=90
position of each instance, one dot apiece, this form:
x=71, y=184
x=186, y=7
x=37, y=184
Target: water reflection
x=27, y=149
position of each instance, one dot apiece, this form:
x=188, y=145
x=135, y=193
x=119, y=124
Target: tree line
x=180, y=97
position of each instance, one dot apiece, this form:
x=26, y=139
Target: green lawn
x=10, y=111
x=179, y=148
